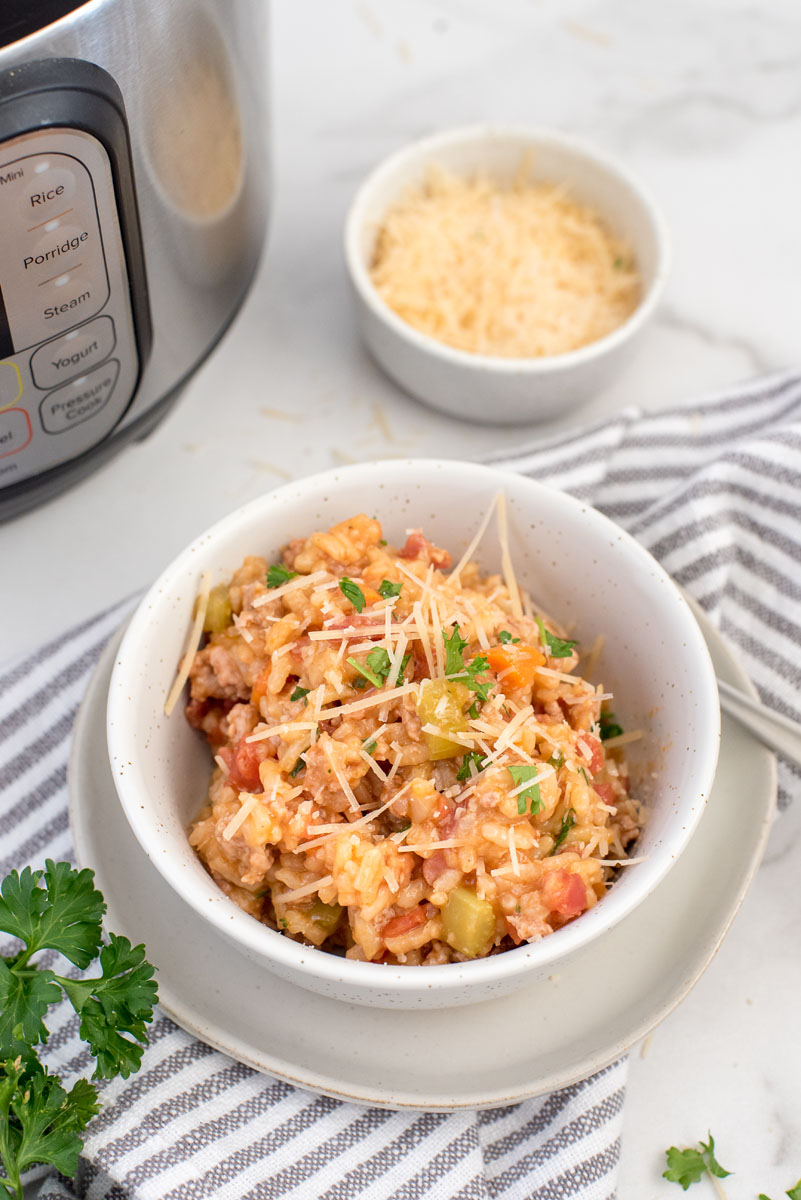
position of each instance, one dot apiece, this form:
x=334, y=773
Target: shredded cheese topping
x=192, y=646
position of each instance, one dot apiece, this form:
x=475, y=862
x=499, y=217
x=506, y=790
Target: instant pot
x=133, y=200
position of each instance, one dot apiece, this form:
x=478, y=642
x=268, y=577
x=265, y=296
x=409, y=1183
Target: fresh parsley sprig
x=687, y=1166
x=568, y=821
x=278, y=574
x=351, y=591
x=60, y=909
x=387, y=588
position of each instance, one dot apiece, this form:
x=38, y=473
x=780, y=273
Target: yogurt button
x=73, y=354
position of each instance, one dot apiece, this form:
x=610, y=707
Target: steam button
x=49, y=191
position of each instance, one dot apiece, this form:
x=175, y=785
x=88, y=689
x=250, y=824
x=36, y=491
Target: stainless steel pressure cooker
x=133, y=198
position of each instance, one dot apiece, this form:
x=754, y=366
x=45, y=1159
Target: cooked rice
x=340, y=817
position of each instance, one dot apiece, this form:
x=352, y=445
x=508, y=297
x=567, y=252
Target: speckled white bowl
x=482, y=387
x=576, y=563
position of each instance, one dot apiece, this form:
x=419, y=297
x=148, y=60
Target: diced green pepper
x=315, y=921
x=468, y=923
x=440, y=704
x=219, y=613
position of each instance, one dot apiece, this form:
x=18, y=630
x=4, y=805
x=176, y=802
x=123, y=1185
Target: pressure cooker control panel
x=70, y=351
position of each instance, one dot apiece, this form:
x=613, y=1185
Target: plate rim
x=191, y=1020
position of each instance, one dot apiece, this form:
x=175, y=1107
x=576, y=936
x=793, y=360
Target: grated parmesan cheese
x=516, y=270
x=194, y=641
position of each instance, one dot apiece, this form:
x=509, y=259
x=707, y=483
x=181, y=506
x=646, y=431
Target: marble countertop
x=703, y=99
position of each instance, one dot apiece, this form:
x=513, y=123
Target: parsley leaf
x=476, y=759
x=795, y=1192
x=298, y=767
x=556, y=647
x=299, y=693
x=454, y=651
x=568, y=821
x=609, y=727
x=370, y=747
x=278, y=574
x=351, y=591
x=376, y=668
x=687, y=1166
x=523, y=773
x=24, y=1000
x=473, y=710
x=117, y=1003
x=64, y=915
x=387, y=588
x=505, y=637
x=557, y=760
x=43, y=1122
x=404, y=662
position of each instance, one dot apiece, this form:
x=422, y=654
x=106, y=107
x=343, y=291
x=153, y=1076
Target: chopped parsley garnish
x=387, y=588
x=557, y=760
x=524, y=773
x=618, y=264
x=278, y=574
x=404, y=662
x=283, y=922
x=298, y=767
x=568, y=821
x=370, y=747
x=476, y=759
x=557, y=647
x=351, y=591
x=686, y=1167
x=609, y=727
x=404, y=825
x=299, y=693
x=586, y=776
x=382, y=542
x=454, y=651
x=376, y=668
x=517, y=908
x=473, y=710
x=505, y=637
x=459, y=671
x=359, y=684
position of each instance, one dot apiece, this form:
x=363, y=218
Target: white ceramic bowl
x=481, y=387
x=577, y=564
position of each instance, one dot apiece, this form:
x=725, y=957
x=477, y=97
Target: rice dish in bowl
x=586, y=578
x=409, y=765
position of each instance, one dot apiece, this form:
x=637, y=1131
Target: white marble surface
x=703, y=98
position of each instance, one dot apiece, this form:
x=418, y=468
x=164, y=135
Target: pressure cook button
x=15, y=431
x=48, y=193
x=10, y=384
x=80, y=400
x=72, y=354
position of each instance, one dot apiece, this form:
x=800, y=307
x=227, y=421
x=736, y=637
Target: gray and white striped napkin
x=713, y=489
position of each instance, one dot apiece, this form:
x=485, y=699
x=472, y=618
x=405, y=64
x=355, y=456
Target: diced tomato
x=243, y=761
x=605, y=791
x=404, y=923
x=516, y=665
x=596, y=745
x=418, y=546
x=565, y=893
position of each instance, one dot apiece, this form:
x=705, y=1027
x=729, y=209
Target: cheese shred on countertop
x=515, y=271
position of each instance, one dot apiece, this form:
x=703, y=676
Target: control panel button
x=15, y=431
x=79, y=400
x=73, y=354
x=69, y=299
x=10, y=384
x=48, y=193
x=58, y=249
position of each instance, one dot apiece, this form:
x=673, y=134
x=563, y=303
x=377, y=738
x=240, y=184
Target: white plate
x=502, y=1051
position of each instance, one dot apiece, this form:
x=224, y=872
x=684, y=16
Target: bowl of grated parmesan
x=502, y=274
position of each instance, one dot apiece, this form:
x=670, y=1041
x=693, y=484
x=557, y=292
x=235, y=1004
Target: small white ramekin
x=482, y=387
x=579, y=566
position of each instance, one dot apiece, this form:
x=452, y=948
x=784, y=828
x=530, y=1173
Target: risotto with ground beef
x=408, y=766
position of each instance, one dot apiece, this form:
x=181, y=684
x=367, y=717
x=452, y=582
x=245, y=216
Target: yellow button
x=10, y=384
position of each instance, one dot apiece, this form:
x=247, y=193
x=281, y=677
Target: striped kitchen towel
x=714, y=490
